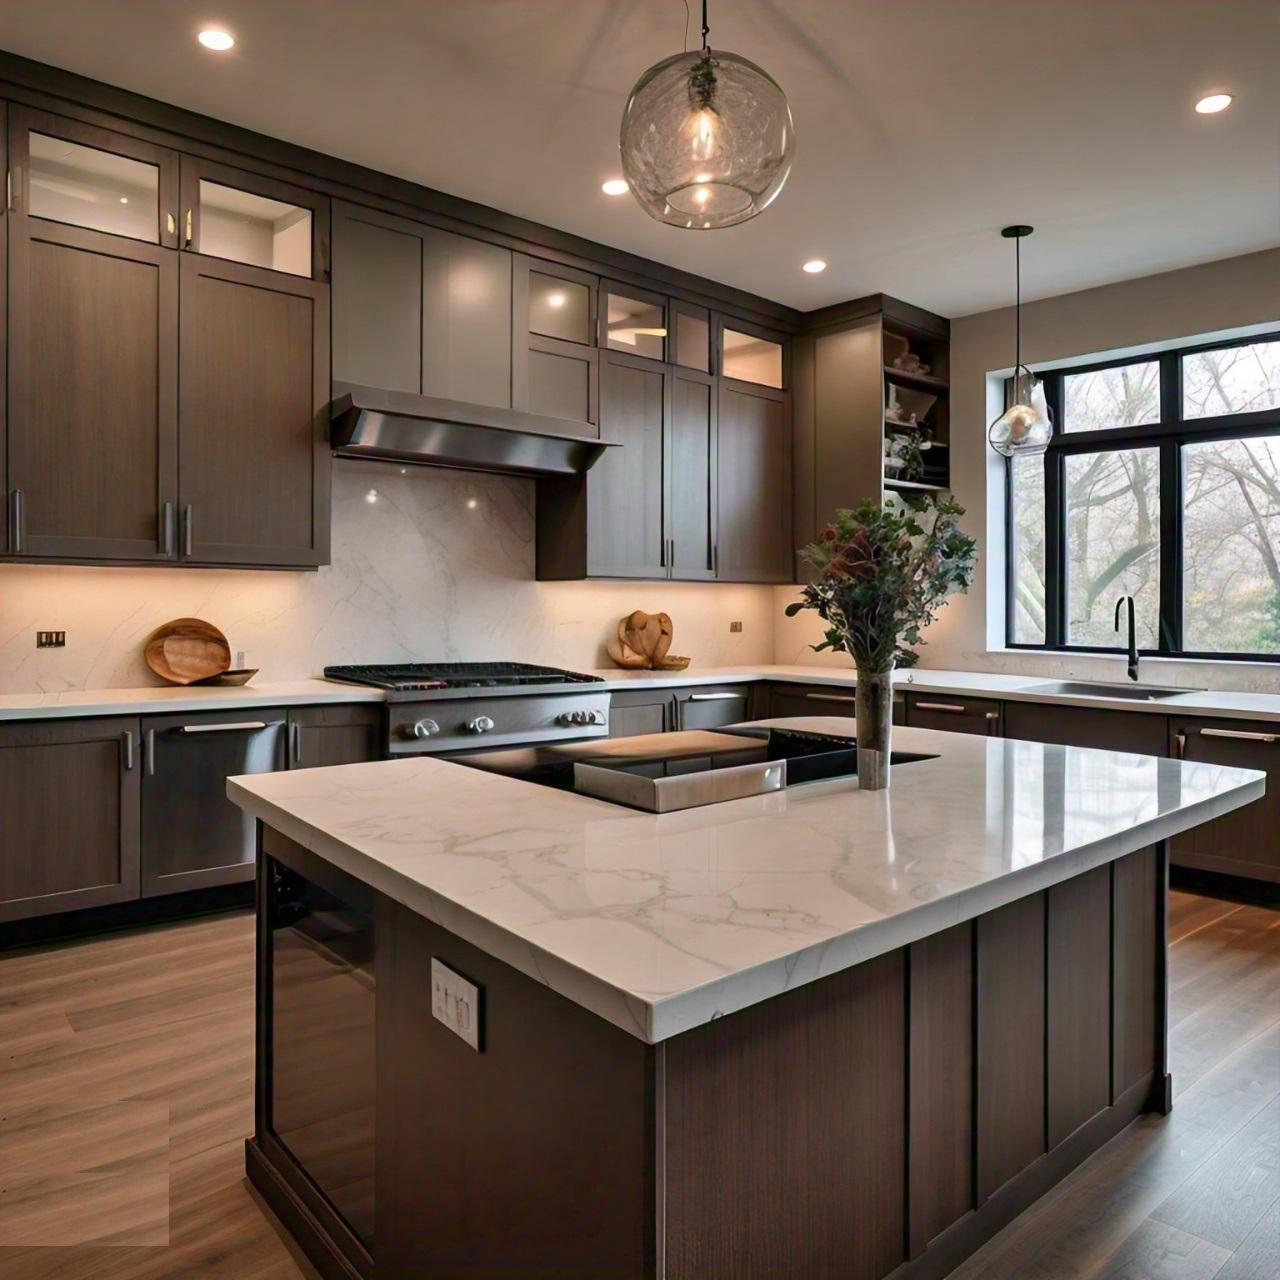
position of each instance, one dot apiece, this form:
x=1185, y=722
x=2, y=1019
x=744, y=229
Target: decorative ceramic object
x=643, y=641
x=882, y=574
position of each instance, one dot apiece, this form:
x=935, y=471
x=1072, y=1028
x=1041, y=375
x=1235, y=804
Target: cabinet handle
x=1240, y=734
x=166, y=530
x=942, y=706
x=993, y=715
x=295, y=742
x=149, y=751
x=172, y=223
x=1180, y=744
x=224, y=728
x=715, y=559
x=190, y=236
x=128, y=749
x=663, y=562
x=18, y=517
x=188, y=530
x=829, y=697
x=713, y=697
x=13, y=188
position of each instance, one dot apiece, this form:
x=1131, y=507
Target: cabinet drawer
x=713, y=708
x=953, y=713
x=1244, y=842
x=1138, y=731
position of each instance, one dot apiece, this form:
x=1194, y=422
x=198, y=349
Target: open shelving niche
x=927, y=395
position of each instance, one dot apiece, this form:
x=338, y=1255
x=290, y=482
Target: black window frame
x=1169, y=434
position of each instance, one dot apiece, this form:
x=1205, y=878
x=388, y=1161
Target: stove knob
x=564, y=719
x=596, y=717
x=425, y=728
x=481, y=724
x=581, y=717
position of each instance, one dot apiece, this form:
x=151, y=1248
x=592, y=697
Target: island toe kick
x=883, y=1121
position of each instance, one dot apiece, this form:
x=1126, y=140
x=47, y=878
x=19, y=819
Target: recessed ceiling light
x=124, y=199
x=217, y=39
x=1213, y=103
x=814, y=265
x=615, y=187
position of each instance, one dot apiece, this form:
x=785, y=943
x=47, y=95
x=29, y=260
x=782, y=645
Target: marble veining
x=660, y=923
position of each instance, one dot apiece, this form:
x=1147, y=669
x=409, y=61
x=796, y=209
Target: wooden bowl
x=230, y=678
x=186, y=650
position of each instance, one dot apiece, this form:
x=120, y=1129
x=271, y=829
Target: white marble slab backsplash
x=427, y=564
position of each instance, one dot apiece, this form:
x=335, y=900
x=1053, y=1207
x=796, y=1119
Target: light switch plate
x=456, y=1003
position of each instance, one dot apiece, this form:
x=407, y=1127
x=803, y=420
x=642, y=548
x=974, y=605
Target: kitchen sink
x=1108, y=689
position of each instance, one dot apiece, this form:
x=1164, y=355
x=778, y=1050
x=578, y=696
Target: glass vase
x=874, y=711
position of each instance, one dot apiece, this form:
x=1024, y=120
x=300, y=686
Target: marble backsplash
x=427, y=564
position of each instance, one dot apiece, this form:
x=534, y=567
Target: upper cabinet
x=167, y=355
x=419, y=309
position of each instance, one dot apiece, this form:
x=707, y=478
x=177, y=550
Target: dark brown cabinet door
x=710, y=708
x=953, y=714
x=1244, y=842
x=68, y=815
x=624, y=489
x=253, y=449
x=1140, y=732
x=754, y=541
x=419, y=309
x=327, y=735
x=93, y=344
x=691, y=479
x=635, y=713
x=822, y=700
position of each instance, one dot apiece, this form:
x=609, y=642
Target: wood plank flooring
x=153, y=1030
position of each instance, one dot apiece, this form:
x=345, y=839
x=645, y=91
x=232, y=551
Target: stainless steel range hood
x=399, y=427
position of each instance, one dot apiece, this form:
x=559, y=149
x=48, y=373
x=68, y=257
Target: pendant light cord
x=706, y=29
x=1017, y=306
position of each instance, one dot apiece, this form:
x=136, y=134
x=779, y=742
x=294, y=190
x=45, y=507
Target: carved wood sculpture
x=643, y=641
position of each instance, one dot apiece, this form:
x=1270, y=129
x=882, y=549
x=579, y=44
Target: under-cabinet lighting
x=217, y=39
x=1214, y=103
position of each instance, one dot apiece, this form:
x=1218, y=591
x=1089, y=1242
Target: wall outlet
x=456, y=1003
x=240, y=662
x=735, y=626
x=51, y=639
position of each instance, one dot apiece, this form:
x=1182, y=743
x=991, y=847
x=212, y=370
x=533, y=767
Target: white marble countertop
x=660, y=923
x=103, y=702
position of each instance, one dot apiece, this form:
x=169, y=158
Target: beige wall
x=1151, y=311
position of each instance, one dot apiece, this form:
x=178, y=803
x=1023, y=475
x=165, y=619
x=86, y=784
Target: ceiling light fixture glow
x=216, y=39
x=814, y=265
x=555, y=299
x=615, y=187
x=1214, y=103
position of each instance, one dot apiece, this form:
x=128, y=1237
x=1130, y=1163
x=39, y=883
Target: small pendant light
x=1024, y=427
x=707, y=139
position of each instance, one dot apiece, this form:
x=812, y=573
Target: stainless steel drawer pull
x=295, y=742
x=829, y=697
x=19, y=520
x=714, y=697
x=166, y=530
x=1241, y=734
x=941, y=706
x=224, y=728
x=128, y=749
x=149, y=751
x=188, y=531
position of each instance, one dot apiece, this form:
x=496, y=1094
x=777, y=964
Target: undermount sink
x=1108, y=689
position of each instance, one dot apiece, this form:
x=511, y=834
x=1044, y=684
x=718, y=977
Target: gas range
x=439, y=707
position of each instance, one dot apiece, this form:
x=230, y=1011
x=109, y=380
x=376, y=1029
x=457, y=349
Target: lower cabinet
x=1244, y=842
x=339, y=734
x=821, y=700
x=193, y=837
x=633, y=712
x=1142, y=733
x=954, y=714
x=713, y=708
x=69, y=810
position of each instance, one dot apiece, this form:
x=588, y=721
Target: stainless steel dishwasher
x=193, y=837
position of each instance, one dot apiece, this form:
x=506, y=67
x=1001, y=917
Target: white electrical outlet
x=456, y=1003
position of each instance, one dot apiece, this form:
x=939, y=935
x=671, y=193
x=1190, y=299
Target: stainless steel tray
x=680, y=791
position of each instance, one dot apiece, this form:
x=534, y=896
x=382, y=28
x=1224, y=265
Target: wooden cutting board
x=186, y=650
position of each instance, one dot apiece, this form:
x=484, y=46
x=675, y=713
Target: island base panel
x=884, y=1121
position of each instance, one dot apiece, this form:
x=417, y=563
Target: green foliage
x=883, y=575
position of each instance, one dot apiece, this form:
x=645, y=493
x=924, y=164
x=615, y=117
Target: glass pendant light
x=707, y=139
x=1024, y=427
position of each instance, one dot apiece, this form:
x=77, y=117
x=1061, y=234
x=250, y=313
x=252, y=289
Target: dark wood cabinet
x=821, y=700
x=555, y=364
x=692, y=483
x=69, y=815
x=1244, y=842
x=754, y=542
x=714, y=707
x=334, y=734
x=953, y=714
x=253, y=446
x=1142, y=733
x=92, y=354
x=637, y=711
x=419, y=309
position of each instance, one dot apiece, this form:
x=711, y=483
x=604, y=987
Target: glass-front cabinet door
x=634, y=321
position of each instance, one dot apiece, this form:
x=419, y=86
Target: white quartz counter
x=103, y=702
x=660, y=923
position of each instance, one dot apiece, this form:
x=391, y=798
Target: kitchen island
x=810, y=1034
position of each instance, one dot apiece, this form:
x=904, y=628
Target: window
x=1162, y=482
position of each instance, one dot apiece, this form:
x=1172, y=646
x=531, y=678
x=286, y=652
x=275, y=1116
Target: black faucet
x=1133, y=639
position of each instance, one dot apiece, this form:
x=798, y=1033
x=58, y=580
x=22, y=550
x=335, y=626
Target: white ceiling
x=923, y=127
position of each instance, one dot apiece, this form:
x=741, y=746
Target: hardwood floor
x=149, y=1035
